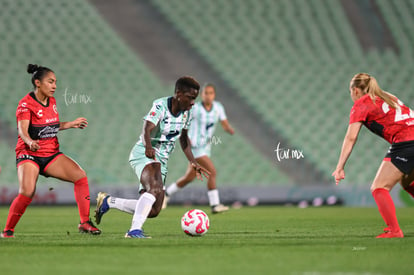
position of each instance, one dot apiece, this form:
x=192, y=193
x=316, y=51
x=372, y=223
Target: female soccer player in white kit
x=166, y=122
x=205, y=115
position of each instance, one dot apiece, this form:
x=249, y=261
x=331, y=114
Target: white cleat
x=219, y=208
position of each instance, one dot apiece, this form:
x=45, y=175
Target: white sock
x=213, y=197
x=124, y=205
x=142, y=210
x=173, y=188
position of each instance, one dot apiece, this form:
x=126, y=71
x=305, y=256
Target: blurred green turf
x=250, y=240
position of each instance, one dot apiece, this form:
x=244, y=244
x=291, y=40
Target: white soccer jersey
x=203, y=123
x=168, y=127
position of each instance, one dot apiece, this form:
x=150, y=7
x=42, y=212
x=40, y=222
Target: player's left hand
x=80, y=123
x=200, y=171
x=338, y=174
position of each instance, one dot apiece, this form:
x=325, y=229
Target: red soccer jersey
x=394, y=125
x=44, y=125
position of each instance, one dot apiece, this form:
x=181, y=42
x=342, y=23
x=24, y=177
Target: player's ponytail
x=37, y=72
x=369, y=85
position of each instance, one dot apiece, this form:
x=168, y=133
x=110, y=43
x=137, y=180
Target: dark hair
x=185, y=83
x=37, y=72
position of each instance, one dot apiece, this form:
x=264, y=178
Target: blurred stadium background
x=282, y=69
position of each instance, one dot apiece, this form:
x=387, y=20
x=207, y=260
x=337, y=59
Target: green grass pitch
x=250, y=240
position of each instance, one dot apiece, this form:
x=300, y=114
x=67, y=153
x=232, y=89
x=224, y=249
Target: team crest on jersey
x=153, y=113
x=55, y=108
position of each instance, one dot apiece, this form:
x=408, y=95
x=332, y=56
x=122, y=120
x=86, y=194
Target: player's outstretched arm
x=185, y=146
x=347, y=146
x=227, y=127
x=80, y=123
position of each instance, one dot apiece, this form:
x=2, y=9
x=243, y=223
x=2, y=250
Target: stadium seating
x=292, y=61
x=102, y=79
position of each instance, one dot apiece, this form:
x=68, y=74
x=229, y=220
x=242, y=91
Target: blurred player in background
x=37, y=150
x=385, y=115
x=205, y=116
x=167, y=121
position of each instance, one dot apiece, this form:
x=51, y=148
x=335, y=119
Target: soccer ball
x=195, y=222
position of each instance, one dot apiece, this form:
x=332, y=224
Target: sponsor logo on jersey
x=40, y=113
x=24, y=105
x=209, y=126
x=48, y=132
x=51, y=120
x=172, y=134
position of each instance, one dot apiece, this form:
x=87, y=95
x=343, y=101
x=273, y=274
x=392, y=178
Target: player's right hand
x=338, y=174
x=34, y=145
x=200, y=171
x=150, y=152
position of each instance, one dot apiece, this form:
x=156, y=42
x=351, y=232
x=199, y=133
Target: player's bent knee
x=155, y=189
x=81, y=174
x=27, y=193
x=379, y=185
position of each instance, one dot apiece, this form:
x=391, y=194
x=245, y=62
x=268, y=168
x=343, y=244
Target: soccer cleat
x=136, y=233
x=390, y=234
x=101, y=206
x=219, y=208
x=88, y=227
x=7, y=234
x=165, y=201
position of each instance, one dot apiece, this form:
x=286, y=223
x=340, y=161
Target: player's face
x=47, y=85
x=355, y=93
x=187, y=99
x=208, y=95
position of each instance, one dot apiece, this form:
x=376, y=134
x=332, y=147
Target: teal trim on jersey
x=168, y=127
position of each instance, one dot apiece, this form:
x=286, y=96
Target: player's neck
x=40, y=97
x=207, y=106
x=175, y=109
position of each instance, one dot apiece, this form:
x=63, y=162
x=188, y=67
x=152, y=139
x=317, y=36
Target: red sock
x=386, y=208
x=410, y=189
x=82, y=198
x=17, y=209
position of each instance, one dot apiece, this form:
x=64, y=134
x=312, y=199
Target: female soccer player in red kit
x=37, y=150
x=385, y=115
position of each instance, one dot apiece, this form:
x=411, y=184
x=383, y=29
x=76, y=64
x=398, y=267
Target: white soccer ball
x=195, y=222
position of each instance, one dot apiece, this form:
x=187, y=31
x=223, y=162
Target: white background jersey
x=203, y=123
x=168, y=127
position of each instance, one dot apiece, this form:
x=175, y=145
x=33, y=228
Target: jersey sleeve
x=358, y=113
x=156, y=113
x=222, y=112
x=23, y=111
